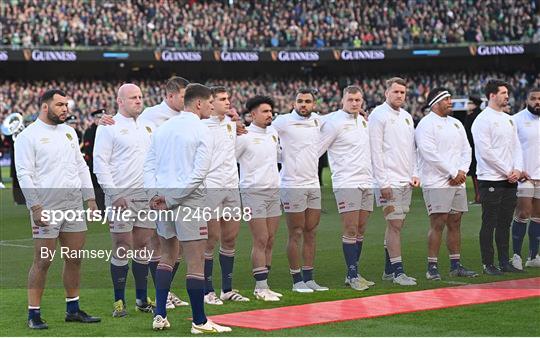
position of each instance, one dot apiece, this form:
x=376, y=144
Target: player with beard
x=48, y=157
x=499, y=157
x=444, y=158
x=527, y=210
x=257, y=153
x=300, y=135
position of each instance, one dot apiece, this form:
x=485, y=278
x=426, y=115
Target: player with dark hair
x=223, y=200
x=299, y=134
x=444, y=158
x=257, y=153
x=48, y=157
x=499, y=157
x=527, y=210
x=175, y=171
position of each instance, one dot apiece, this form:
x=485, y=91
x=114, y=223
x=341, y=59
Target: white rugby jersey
x=300, y=142
x=223, y=170
x=346, y=138
x=393, y=152
x=496, y=145
x=119, y=154
x=443, y=150
x=179, y=159
x=158, y=114
x=528, y=130
x=257, y=152
x=50, y=167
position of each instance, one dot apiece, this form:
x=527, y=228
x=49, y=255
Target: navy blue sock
x=226, y=261
x=432, y=263
x=307, y=274
x=34, y=313
x=163, y=284
x=260, y=274
x=359, y=248
x=350, y=253
x=296, y=276
x=119, y=276
x=195, y=290
x=387, y=265
x=152, y=266
x=208, y=270
x=518, y=234
x=397, y=266
x=140, y=274
x=454, y=261
x=72, y=304
x=534, y=238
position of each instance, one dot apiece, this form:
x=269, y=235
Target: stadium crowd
x=253, y=24
x=87, y=96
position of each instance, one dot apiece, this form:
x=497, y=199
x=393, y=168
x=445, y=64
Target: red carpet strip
x=382, y=305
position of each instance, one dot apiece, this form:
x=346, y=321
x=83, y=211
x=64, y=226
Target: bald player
x=119, y=155
x=171, y=106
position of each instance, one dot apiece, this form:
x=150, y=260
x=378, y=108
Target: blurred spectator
x=266, y=23
x=22, y=96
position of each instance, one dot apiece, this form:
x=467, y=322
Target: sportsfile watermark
x=122, y=215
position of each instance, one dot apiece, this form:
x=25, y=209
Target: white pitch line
x=4, y=243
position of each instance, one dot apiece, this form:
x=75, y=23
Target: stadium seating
x=22, y=96
x=252, y=24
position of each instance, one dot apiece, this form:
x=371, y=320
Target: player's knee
x=228, y=243
x=42, y=264
x=260, y=242
x=270, y=241
x=535, y=219
x=73, y=261
x=523, y=214
x=394, y=212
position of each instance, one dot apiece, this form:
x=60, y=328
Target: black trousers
x=498, y=200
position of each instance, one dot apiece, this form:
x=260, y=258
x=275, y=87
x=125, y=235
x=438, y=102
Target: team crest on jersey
x=511, y=122
x=316, y=123
x=457, y=126
x=408, y=122
x=69, y=137
x=364, y=124
x=229, y=128
x=274, y=138
x=149, y=130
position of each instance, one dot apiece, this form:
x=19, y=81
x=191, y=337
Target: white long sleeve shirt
x=179, y=160
x=393, y=152
x=158, y=114
x=528, y=129
x=496, y=145
x=299, y=138
x=50, y=167
x=347, y=140
x=223, y=170
x=119, y=154
x=443, y=150
x=257, y=152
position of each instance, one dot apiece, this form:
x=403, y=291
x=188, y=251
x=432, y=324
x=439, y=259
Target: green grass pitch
x=513, y=318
